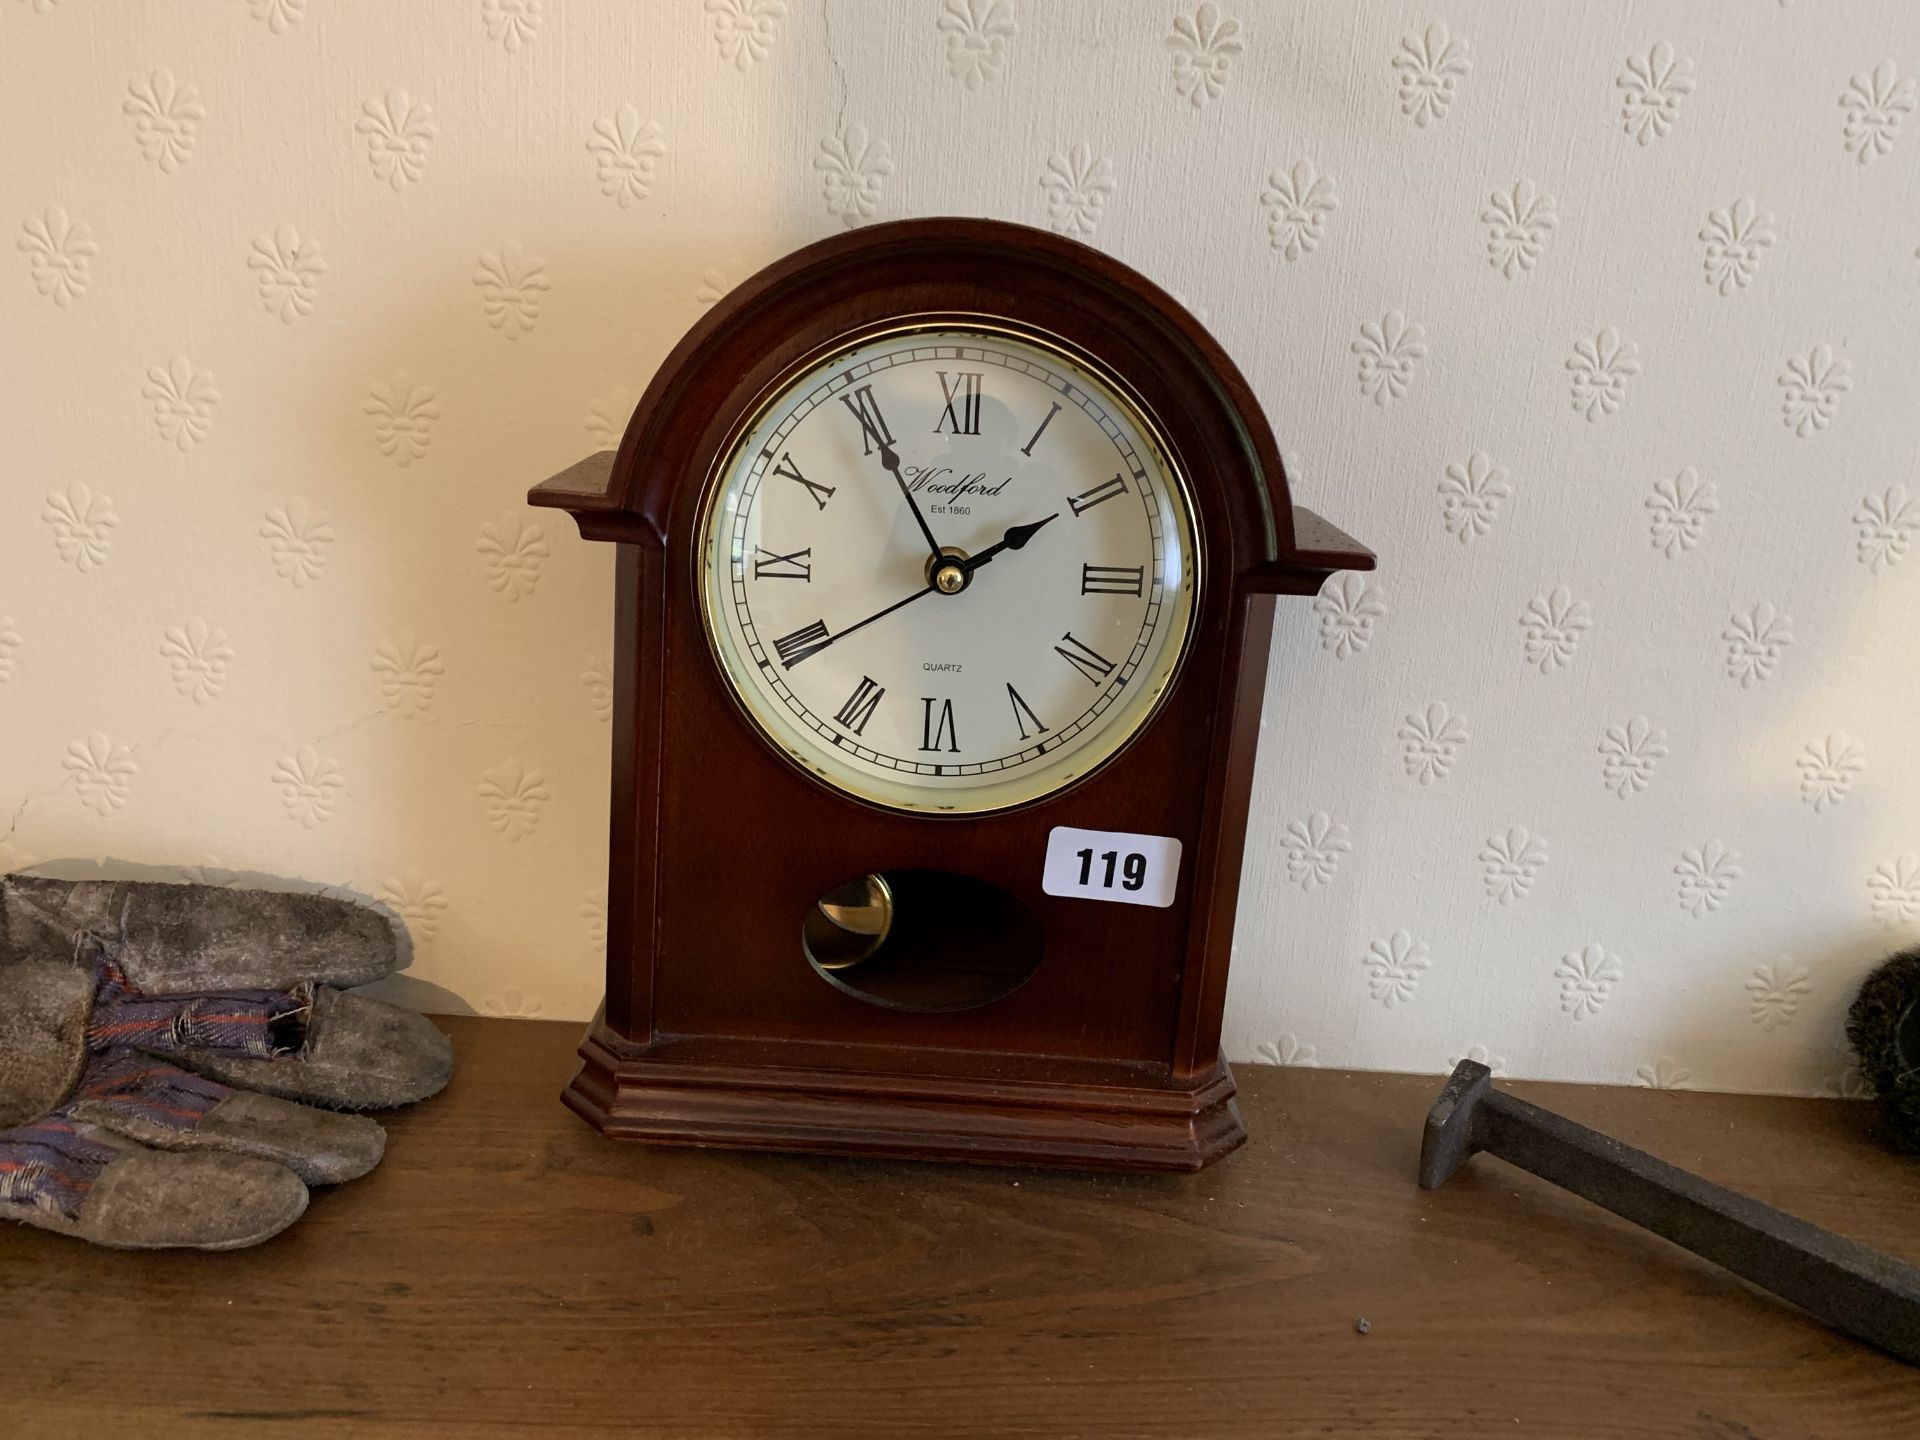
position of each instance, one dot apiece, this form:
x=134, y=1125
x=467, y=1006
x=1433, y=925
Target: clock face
x=949, y=569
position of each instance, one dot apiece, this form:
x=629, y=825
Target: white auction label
x=1112, y=865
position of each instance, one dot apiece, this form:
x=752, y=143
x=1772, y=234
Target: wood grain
x=703, y=949
x=507, y=1272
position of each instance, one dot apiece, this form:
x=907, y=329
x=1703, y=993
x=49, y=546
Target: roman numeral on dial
x=1027, y=449
x=1084, y=658
x=1022, y=713
x=1086, y=500
x=873, y=425
x=860, y=706
x=962, y=415
x=787, y=470
x=769, y=566
x=934, y=728
x=794, y=648
x=1113, y=579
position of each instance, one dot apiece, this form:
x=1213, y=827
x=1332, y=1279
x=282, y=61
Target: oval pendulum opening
x=922, y=940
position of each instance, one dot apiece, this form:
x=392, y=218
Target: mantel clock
x=946, y=553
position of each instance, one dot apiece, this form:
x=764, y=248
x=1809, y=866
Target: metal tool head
x=1450, y=1132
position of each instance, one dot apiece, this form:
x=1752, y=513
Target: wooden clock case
x=716, y=1030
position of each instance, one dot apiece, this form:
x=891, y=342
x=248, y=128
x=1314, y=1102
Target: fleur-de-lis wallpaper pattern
x=1601, y=325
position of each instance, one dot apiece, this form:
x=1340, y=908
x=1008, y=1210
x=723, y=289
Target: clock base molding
x=628, y=1093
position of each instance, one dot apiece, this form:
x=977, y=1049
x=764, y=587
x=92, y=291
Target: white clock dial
x=949, y=569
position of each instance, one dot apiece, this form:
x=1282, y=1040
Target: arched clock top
x=951, y=271
x=945, y=581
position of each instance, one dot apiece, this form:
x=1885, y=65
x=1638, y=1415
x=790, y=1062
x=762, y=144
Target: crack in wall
x=839, y=70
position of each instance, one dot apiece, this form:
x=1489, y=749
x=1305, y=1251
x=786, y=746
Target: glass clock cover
x=949, y=569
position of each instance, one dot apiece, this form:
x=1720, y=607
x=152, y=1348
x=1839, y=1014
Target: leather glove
x=165, y=1049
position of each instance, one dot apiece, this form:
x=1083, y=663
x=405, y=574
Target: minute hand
x=891, y=460
x=1015, y=537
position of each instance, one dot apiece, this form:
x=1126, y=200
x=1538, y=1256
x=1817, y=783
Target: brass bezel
x=1038, y=337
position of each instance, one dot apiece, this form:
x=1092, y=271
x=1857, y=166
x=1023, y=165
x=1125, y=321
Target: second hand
x=1016, y=538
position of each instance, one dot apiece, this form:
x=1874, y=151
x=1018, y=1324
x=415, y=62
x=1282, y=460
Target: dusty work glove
x=155, y=1041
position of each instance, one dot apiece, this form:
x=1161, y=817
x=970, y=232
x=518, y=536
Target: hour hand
x=1014, y=539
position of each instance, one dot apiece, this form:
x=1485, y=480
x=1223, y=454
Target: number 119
x=1133, y=870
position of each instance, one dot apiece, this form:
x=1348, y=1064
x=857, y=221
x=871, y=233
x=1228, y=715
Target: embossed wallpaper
x=1600, y=323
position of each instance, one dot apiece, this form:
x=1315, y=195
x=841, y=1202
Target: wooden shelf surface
x=507, y=1272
